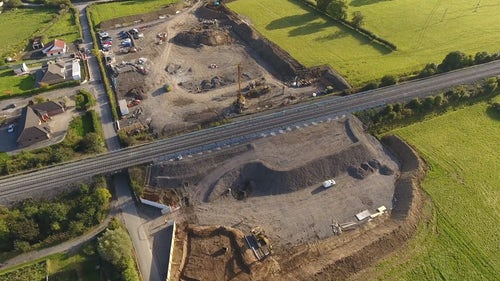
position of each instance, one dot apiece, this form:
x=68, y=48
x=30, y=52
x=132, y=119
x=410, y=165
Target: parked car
x=329, y=183
x=10, y=129
x=10, y=106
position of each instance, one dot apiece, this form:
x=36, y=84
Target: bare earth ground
x=285, y=198
x=186, y=69
x=274, y=183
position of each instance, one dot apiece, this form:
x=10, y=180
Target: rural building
x=122, y=104
x=37, y=43
x=75, y=70
x=32, y=120
x=51, y=73
x=55, y=48
x=21, y=69
x=32, y=130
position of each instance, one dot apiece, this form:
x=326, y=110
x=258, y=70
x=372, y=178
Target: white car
x=10, y=129
x=329, y=183
x=103, y=34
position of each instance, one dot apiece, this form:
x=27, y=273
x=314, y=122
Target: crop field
x=107, y=11
x=461, y=240
x=423, y=33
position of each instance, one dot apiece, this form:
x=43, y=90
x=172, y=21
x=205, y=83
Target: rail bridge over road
x=241, y=130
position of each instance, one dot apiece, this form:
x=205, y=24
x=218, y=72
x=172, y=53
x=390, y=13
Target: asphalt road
x=239, y=131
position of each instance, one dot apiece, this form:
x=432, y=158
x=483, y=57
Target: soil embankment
x=406, y=214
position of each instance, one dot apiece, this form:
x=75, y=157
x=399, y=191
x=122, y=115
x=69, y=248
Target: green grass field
x=107, y=11
x=65, y=29
x=12, y=84
x=18, y=26
x=461, y=241
x=423, y=33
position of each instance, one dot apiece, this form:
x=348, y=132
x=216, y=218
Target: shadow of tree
x=336, y=35
x=309, y=28
x=358, y=3
x=294, y=20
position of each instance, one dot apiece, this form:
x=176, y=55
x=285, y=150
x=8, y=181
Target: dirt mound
x=258, y=179
x=185, y=173
x=217, y=253
x=196, y=37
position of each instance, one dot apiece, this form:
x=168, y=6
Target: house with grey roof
x=32, y=126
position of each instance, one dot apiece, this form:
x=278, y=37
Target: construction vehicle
x=259, y=243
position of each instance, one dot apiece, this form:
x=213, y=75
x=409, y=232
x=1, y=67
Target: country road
x=239, y=131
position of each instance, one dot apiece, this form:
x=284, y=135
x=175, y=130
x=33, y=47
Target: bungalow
x=55, y=48
x=21, y=69
x=32, y=118
x=51, y=73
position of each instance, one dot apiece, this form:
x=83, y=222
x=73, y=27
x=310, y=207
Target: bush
x=388, y=80
x=370, y=86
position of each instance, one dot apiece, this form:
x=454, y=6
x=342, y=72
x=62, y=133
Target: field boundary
x=362, y=31
x=286, y=67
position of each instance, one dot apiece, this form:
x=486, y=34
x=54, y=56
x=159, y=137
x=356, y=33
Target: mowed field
x=107, y=11
x=424, y=32
x=461, y=242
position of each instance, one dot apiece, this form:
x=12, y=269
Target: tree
x=337, y=9
x=388, y=80
x=10, y=4
x=454, y=60
x=429, y=69
x=358, y=19
x=22, y=228
x=90, y=143
x=323, y=4
x=115, y=247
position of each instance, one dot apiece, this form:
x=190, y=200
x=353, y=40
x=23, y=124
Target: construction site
x=194, y=67
x=257, y=211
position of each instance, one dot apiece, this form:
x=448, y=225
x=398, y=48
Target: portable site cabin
x=123, y=107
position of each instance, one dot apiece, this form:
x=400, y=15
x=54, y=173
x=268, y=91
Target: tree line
x=38, y=223
x=400, y=114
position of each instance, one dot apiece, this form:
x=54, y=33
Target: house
x=45, y=110
x=31, y=128
x=21, y=69
x=37, y=43
x=51, y=73
x=32, y=120
x=55, y=48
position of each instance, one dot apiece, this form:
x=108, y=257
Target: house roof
x=55, y=46
x=53, y=73
x=47, y=107
x=30, y=126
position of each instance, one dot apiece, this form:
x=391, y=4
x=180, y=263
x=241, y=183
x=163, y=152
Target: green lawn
x=107, y=11
x=12, y=84
x=424, y=32
x=461, y=241
x=64, y=29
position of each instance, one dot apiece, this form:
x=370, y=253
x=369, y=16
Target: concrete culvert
x=385, y=170
x=357, y=172
x=374, y=163
x=367, y=167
